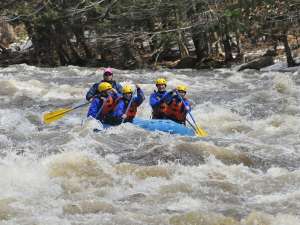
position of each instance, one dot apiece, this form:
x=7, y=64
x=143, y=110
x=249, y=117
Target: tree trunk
x=80, y=39
x=288, y=53
x=181, y=44
x=238, y=44
x=180, y=37
x=217, y=45
x=201, y=44
x=199, y=35
x=75, y=56
x=227, y=48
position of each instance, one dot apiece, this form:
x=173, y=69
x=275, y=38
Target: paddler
x=177, y=106
x=104, y=103
x=124, y=114
x=157, y=99
x=107, y=77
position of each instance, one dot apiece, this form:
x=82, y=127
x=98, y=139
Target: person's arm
x=187, y=104
x=154, y=100
x=140, y=96
x=92, y=92
x=94, y=108
x=119, y=110
x=119, y=88
x=167, y=98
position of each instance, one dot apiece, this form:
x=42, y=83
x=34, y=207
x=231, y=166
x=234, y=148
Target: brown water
x=245, y=172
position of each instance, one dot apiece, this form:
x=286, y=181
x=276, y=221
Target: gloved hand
x=187, y=108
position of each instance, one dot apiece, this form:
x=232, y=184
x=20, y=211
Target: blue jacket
x=156, y=98
x=97, y=104
x=94, y=89
x=123, y=103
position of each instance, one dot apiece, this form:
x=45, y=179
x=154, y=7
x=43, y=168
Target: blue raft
x=168, y=126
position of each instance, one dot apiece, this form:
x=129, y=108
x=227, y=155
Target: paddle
x=129, y=104
x=198, y=131
x=57, y=114
x=103, y=104
x=195, y=129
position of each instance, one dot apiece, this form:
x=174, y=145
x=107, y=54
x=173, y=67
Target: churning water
x=247, y=171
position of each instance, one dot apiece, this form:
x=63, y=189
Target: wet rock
x=187, y=62
x=257, y=64
x=210, y=63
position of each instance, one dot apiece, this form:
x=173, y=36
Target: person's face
x=127, y=95
x=182, y=93
x=107, y=76
x=161, y=87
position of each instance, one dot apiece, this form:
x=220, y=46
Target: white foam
x=15, y=120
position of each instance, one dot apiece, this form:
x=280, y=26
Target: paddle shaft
x=196, y=126
x=129, y=104
x=100, y=110
x=185, y=106
x=69, y=110
x=76, y=107
x=192, y=125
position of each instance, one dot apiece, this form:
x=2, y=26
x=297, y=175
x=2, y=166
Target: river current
x=245, y=172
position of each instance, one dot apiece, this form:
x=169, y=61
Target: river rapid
x=246, y=172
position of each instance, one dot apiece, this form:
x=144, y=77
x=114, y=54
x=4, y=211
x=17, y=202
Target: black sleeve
x=92, y=92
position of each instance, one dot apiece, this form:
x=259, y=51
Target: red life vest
x=109, y=106
x=159, y=111
x=175, y=111
x=131, y=111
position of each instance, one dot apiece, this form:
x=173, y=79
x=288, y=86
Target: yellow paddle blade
x=55, y=115
x=200, y=132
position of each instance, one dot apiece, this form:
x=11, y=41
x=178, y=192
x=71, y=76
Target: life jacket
x=131, y=111
x=109, y=106
x=175, y=111
x=159, y=112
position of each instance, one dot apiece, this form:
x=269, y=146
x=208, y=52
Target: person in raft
x=103, y=104
x=157, y=99
x=120, y=113
x=177, y=106
x=107, y=77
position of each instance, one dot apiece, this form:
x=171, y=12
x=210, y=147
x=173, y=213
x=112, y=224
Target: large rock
x=187, y=62
x=258, y=63
x=210, y=63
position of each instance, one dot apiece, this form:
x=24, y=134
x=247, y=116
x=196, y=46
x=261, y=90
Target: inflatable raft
x=168, y=126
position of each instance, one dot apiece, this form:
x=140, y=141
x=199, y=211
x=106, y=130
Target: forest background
x=134, y=34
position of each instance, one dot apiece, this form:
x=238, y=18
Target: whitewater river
x=247, y=171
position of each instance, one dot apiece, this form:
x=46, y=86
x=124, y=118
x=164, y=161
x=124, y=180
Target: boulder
x=186, y=62
x=258, y=63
